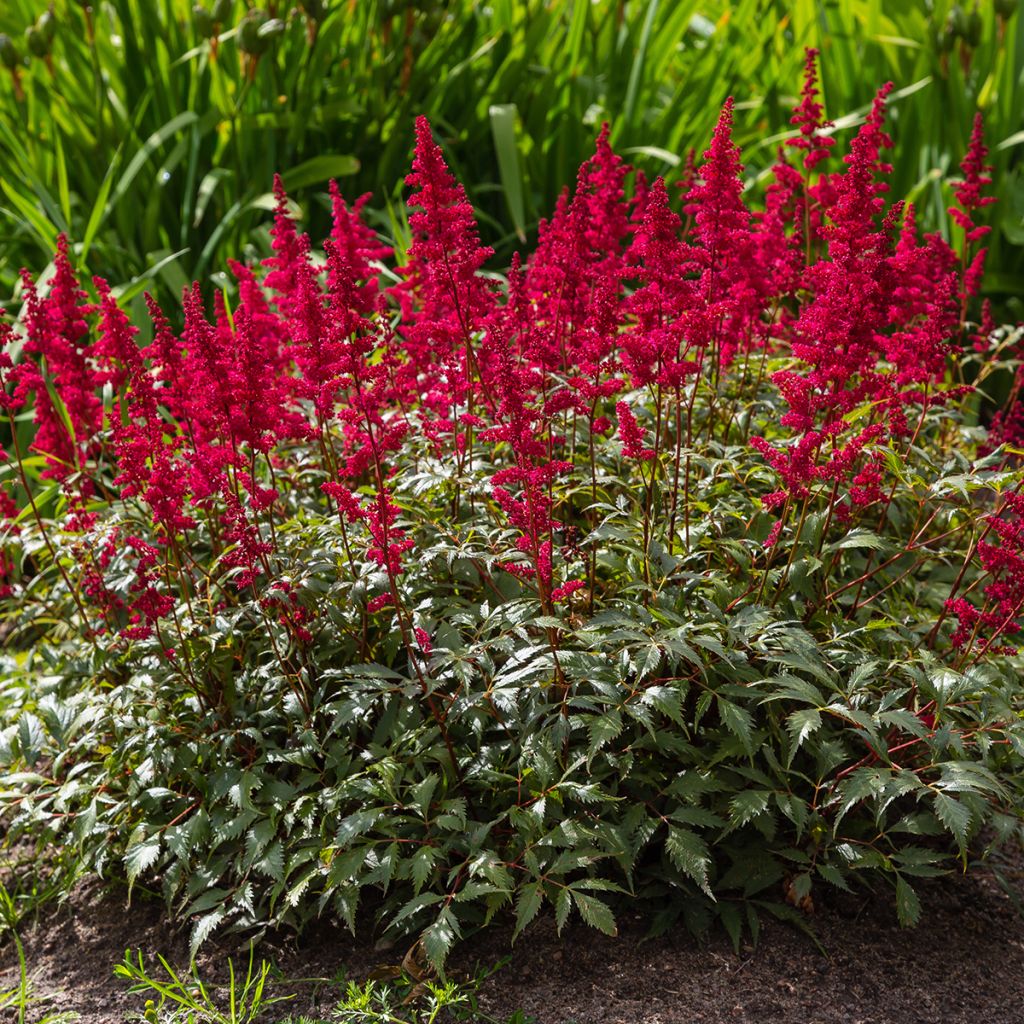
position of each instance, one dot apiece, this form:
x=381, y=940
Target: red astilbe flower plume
x=57, y=333
x=836, y=331
x=167, y=357
x=443, y=298
x=638, y=203
x=269, y=329
x=794, y=203
x=731, y=284
x=12, y=396
x=875, y=331
x=149, y=603
x=854, y=199
x=358, y=247
x=836, y=334
x=289, y=251
x=146, y=456
x=655, y=346
x=261, y=415
x=582, y=256
x=632, y=435
x=138, y=433
x=1002, y=557
x=10, y=402
x=116, y=351
x=363, y=368
x=600, y=210
x=249, y=550
x=982, y=339
x=523, y=489
x=388, y=542
x=809, y=116
x=781, y=228
x=208, y=364
x=715, y=200
x=317, y=340
x=976, y=177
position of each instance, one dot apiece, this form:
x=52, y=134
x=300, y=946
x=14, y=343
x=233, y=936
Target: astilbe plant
x=667, y=566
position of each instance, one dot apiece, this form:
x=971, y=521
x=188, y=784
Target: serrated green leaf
x=729, y=914
x=271, y=863
x=603, y=729
x=438, y=939
x=746, y=806
x=800, y=724
x=204, y=928
x=689, y=853
x=527, y=906
x=563, y=907
x=595, y=912
x=833, y=876
x=908, y=906
x=140, y=857
x=954, y=815
x=738, y=721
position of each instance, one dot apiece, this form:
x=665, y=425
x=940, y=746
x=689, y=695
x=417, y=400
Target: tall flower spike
x=631, y=434
x=12, y=396
x=665, y=267
x=976, y=176
x=809, y=115
x=358, y=246
x=969, y=201
x=442, y=297
x=288, y=250
x=715, y=201
x=599, y=206
x=860, y=189
x=57, y=331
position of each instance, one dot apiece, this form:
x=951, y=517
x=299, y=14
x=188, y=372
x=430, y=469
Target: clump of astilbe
x=667, y=567
x=875, y=333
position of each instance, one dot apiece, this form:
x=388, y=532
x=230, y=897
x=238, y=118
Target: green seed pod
x=270, y=30
x=249, y=39
x=202, y=19
x=1006, y=8
x=35, y=42
x=8, y=52
x=222, y=11
x=972, y=35
x=945, y=40
x=47, y=25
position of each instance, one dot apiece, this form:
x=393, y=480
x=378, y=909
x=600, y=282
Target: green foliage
x=151, y=133
x=714, y=759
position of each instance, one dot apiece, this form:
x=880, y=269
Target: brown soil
x=963, y=964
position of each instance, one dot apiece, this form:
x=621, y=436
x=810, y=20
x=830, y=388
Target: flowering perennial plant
x=666, y=565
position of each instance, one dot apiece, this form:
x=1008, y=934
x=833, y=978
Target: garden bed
x=964, y=963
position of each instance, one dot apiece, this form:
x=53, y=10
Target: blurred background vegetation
x=150, y=130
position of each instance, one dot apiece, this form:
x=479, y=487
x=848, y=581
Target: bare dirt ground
x=963, y=964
